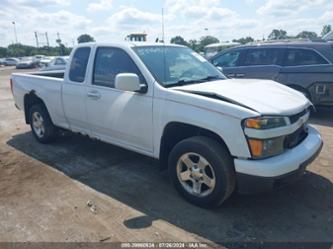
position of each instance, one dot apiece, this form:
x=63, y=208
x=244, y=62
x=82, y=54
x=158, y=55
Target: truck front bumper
x=275, y=172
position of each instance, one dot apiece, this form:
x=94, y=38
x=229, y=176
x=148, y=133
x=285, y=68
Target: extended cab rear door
x=74, y=91
x=120, y=117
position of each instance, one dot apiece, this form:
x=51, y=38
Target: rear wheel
x=41, y=125
x=202, y=171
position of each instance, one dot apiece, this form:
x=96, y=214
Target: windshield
x=173, y=66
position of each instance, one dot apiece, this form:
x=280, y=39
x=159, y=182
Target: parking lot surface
x=78, y=189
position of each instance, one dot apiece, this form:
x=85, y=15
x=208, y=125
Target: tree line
x=19, y=50
x=276, y=34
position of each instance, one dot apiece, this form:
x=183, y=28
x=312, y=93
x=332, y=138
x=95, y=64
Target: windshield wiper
x=187, y=82
x=212, y=77
x=183, y=83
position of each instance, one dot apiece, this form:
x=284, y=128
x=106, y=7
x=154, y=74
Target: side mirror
x=128, y=82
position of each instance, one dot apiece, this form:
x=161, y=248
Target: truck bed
x=47, y=85
x=52, y=74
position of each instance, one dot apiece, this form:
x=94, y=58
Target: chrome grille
x=295, y=138
x=294, y=118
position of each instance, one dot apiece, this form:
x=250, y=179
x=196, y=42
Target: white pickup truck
x=213, y=134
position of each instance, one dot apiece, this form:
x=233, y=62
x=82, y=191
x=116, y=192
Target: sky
x=112, y=20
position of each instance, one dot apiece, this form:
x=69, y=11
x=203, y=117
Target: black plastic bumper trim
x=250, y=184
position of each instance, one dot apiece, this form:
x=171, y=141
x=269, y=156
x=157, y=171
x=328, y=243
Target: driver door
x=119, y=117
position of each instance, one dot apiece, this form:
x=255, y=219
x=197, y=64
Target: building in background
x=136, y=37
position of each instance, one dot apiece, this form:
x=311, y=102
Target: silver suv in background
x=58, y=63
x=302, y=65
x=10, y=61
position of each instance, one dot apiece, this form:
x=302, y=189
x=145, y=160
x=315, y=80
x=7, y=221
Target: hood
x=263, y=96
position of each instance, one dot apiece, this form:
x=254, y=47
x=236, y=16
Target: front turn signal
x=256, y=147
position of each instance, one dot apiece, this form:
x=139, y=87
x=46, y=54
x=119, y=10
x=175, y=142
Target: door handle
x=94, y=95
x=230, y=75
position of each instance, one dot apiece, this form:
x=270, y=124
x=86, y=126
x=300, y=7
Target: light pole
x=15, y=32
x=163, y=25
x=206, y=31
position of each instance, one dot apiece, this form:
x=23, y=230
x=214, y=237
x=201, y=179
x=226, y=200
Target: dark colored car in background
x=302, y=65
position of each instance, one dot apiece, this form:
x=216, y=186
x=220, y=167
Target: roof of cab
x=128, y=44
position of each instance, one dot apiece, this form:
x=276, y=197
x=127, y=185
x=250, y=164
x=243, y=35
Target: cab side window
x=111, y=61
x=301, y=57
x=79, y=64
x=229, y=59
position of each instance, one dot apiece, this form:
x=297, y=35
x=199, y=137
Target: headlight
x=261, y=148
x=265, y=122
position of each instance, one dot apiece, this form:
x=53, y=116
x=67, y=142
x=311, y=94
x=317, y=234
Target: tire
x=41, y=125
x=219, y=169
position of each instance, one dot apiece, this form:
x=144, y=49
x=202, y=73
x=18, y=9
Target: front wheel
x=41, y=125
x=202, y=171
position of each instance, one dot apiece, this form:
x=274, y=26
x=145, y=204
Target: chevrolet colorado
x=214, y=134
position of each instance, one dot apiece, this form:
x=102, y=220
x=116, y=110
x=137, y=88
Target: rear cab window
x=79, y=64
x=302, y=57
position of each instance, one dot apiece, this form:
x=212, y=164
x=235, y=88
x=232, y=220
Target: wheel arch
x=31, y=99
x=175, y=132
